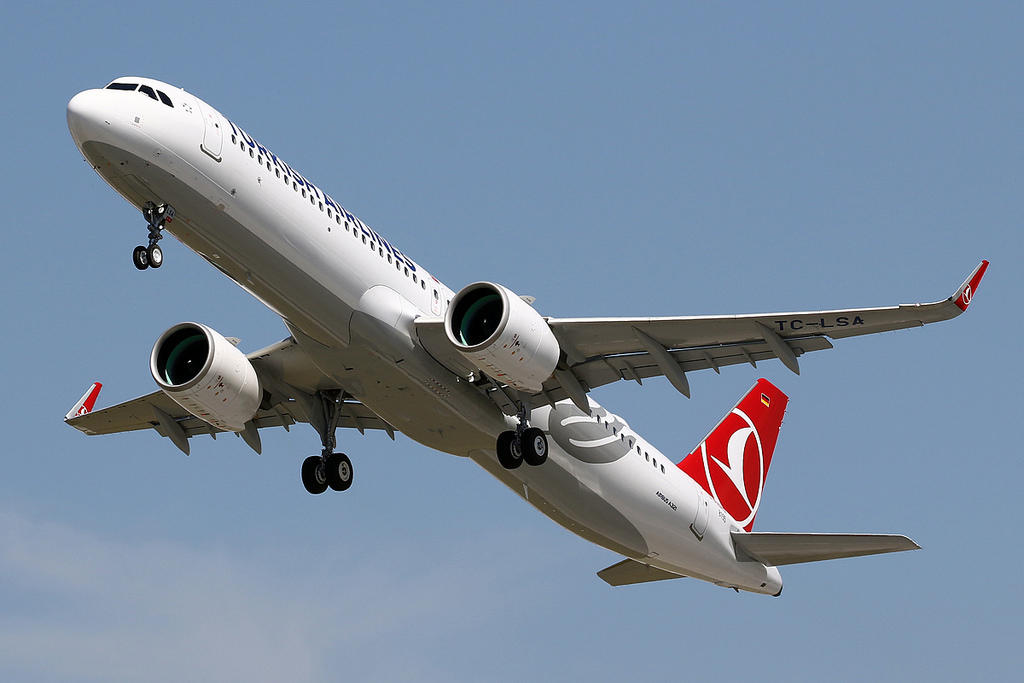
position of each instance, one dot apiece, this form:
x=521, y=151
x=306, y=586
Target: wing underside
x=292, y=390
x=599, y=351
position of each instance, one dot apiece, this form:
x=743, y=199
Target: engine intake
x=206, y=375
x=502, y=335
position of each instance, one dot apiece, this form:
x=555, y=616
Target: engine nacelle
x=206, y=375
x=502, y=335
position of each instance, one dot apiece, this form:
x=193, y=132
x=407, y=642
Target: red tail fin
x=731, y=463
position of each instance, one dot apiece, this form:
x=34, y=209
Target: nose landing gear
x=157, y=216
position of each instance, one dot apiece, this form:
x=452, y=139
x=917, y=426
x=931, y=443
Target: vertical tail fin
x=731, y=463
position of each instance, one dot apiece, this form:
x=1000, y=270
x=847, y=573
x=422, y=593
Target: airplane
x=377, y=342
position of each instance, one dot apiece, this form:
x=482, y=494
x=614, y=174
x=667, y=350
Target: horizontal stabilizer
x=778, y=549
x=629, y=572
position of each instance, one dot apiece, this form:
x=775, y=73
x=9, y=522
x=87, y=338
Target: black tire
x=510, y=455
x=314, y=475
x=140, y=257
x=156, y=256
x=339, y=471
x=535, y=447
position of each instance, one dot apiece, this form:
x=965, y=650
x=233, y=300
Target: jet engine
x=206, y=375
x=502, y=335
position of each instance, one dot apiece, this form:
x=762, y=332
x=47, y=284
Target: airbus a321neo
x=376, y=342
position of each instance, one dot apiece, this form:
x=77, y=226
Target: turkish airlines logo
x=966, y=298
x=735, y=466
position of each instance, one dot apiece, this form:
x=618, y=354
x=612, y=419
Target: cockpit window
x=155, y=94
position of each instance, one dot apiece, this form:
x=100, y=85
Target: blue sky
x=668, y=158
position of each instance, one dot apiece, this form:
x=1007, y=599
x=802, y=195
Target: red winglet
x=963, y=296
x=86, y=403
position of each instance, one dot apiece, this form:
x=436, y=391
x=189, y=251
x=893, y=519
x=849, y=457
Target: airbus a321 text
x=376, y=342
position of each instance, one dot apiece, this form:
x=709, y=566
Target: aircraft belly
x=556, y=491
x=427, y=404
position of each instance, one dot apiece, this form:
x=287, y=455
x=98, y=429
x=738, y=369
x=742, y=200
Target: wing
x=599, y=351
x=292, y=384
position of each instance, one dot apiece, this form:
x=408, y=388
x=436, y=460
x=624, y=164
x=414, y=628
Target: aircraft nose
x=85, y=115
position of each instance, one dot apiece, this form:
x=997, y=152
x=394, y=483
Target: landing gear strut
x=524, y=444
x=157, y=216
x=329, y=469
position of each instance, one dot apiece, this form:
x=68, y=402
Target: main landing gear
x=523, y=444
x=157, y=216
x=329, y=469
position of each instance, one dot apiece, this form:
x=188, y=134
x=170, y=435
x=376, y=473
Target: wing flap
x=601, y=370
x=777, y=549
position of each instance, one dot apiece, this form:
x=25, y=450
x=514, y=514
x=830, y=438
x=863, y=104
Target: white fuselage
x=349, y=297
